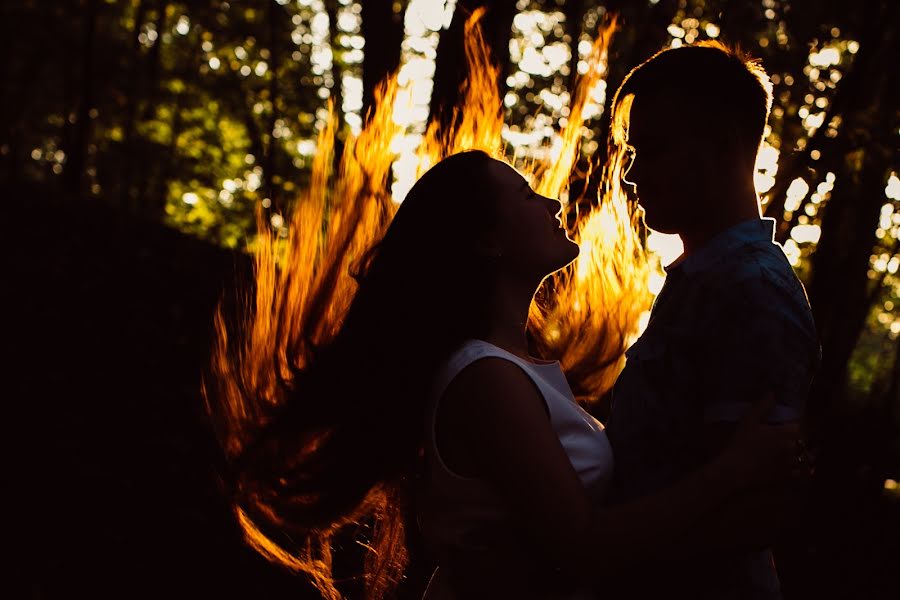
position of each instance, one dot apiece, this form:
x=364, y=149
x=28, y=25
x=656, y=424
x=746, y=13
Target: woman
x=432, y=361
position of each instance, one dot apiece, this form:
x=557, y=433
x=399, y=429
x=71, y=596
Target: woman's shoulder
x=470, y=351
x=480, y=371
x=490, y=394
x=475, y=348
x=473, y=363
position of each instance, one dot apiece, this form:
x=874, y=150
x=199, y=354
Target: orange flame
x=598, y=301
x=335, y=220
x=477, y=120
x=555, y=178
x=592, y=315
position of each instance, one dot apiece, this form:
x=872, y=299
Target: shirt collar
x=746, y=232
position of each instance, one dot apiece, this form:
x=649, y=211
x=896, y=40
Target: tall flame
x=597, y=303
x=477, y=120
x=336, y=218
x=594, y=310
x=586, y=322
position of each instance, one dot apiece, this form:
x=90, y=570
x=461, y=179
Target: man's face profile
x=666, y=167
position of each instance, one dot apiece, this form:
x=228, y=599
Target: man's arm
x=767, y=346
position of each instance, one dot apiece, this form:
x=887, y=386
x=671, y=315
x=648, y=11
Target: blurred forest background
x=138, y=137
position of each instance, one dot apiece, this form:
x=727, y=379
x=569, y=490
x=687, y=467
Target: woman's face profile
x=529, y=234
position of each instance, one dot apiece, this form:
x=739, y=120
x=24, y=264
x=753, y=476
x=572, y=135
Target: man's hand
x=770, y=468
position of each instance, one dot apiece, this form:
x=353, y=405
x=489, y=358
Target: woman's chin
x=570, y=253
x=564, y=252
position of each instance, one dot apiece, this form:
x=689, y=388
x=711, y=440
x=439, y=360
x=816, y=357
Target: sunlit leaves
x=423, y=21
x=540, y=51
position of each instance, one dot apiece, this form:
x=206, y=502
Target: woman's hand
x=763, y=454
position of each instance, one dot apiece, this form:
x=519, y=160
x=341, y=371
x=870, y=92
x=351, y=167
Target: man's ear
x=739, y=148
x=728, y=158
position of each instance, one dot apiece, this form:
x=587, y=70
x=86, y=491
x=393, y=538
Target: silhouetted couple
x=440, y=421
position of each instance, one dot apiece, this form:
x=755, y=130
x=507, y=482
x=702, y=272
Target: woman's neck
x=509, y=318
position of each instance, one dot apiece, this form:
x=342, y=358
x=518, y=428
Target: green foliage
x=870, y=366
x=205, y=99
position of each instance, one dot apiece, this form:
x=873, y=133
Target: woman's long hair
x=344, y=443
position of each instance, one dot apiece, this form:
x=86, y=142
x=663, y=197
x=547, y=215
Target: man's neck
x=695, y=238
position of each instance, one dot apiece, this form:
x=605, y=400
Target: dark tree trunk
x=150, y=96
x=154, y=62
x=270, y=176
x=254, y=134
x=839, y=290
x=839, y=287
x=849, y=97
x=132, y=98
x=382, y=27
x=76, y=153
x=155, y=208
x=574, y=11
x=450, y=67
x=23, y=71
x=578, y=185
x=337, y=94
x=892, y=397
x=69, y=79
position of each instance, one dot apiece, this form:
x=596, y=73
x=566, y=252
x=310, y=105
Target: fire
x=596, y=306
x=478, y=119
x=586, y=322
x=555, y=178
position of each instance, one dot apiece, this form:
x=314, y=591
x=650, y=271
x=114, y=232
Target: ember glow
x=591, y=310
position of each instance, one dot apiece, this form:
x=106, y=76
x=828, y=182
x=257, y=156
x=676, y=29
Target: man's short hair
x=728, y=88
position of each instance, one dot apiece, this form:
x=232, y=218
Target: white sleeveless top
x=458, y=514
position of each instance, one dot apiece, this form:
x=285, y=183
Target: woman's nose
x=553, y=204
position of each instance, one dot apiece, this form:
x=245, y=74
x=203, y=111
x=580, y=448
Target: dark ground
x=114, y=470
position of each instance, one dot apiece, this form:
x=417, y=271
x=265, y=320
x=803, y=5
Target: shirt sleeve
x=763, y=339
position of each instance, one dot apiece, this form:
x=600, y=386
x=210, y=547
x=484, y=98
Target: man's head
x=694, y=117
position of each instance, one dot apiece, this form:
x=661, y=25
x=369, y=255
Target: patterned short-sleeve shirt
x=731, y=323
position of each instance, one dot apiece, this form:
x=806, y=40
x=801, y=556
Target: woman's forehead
x=506, y=173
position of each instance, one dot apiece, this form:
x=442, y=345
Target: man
x=732, y=321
